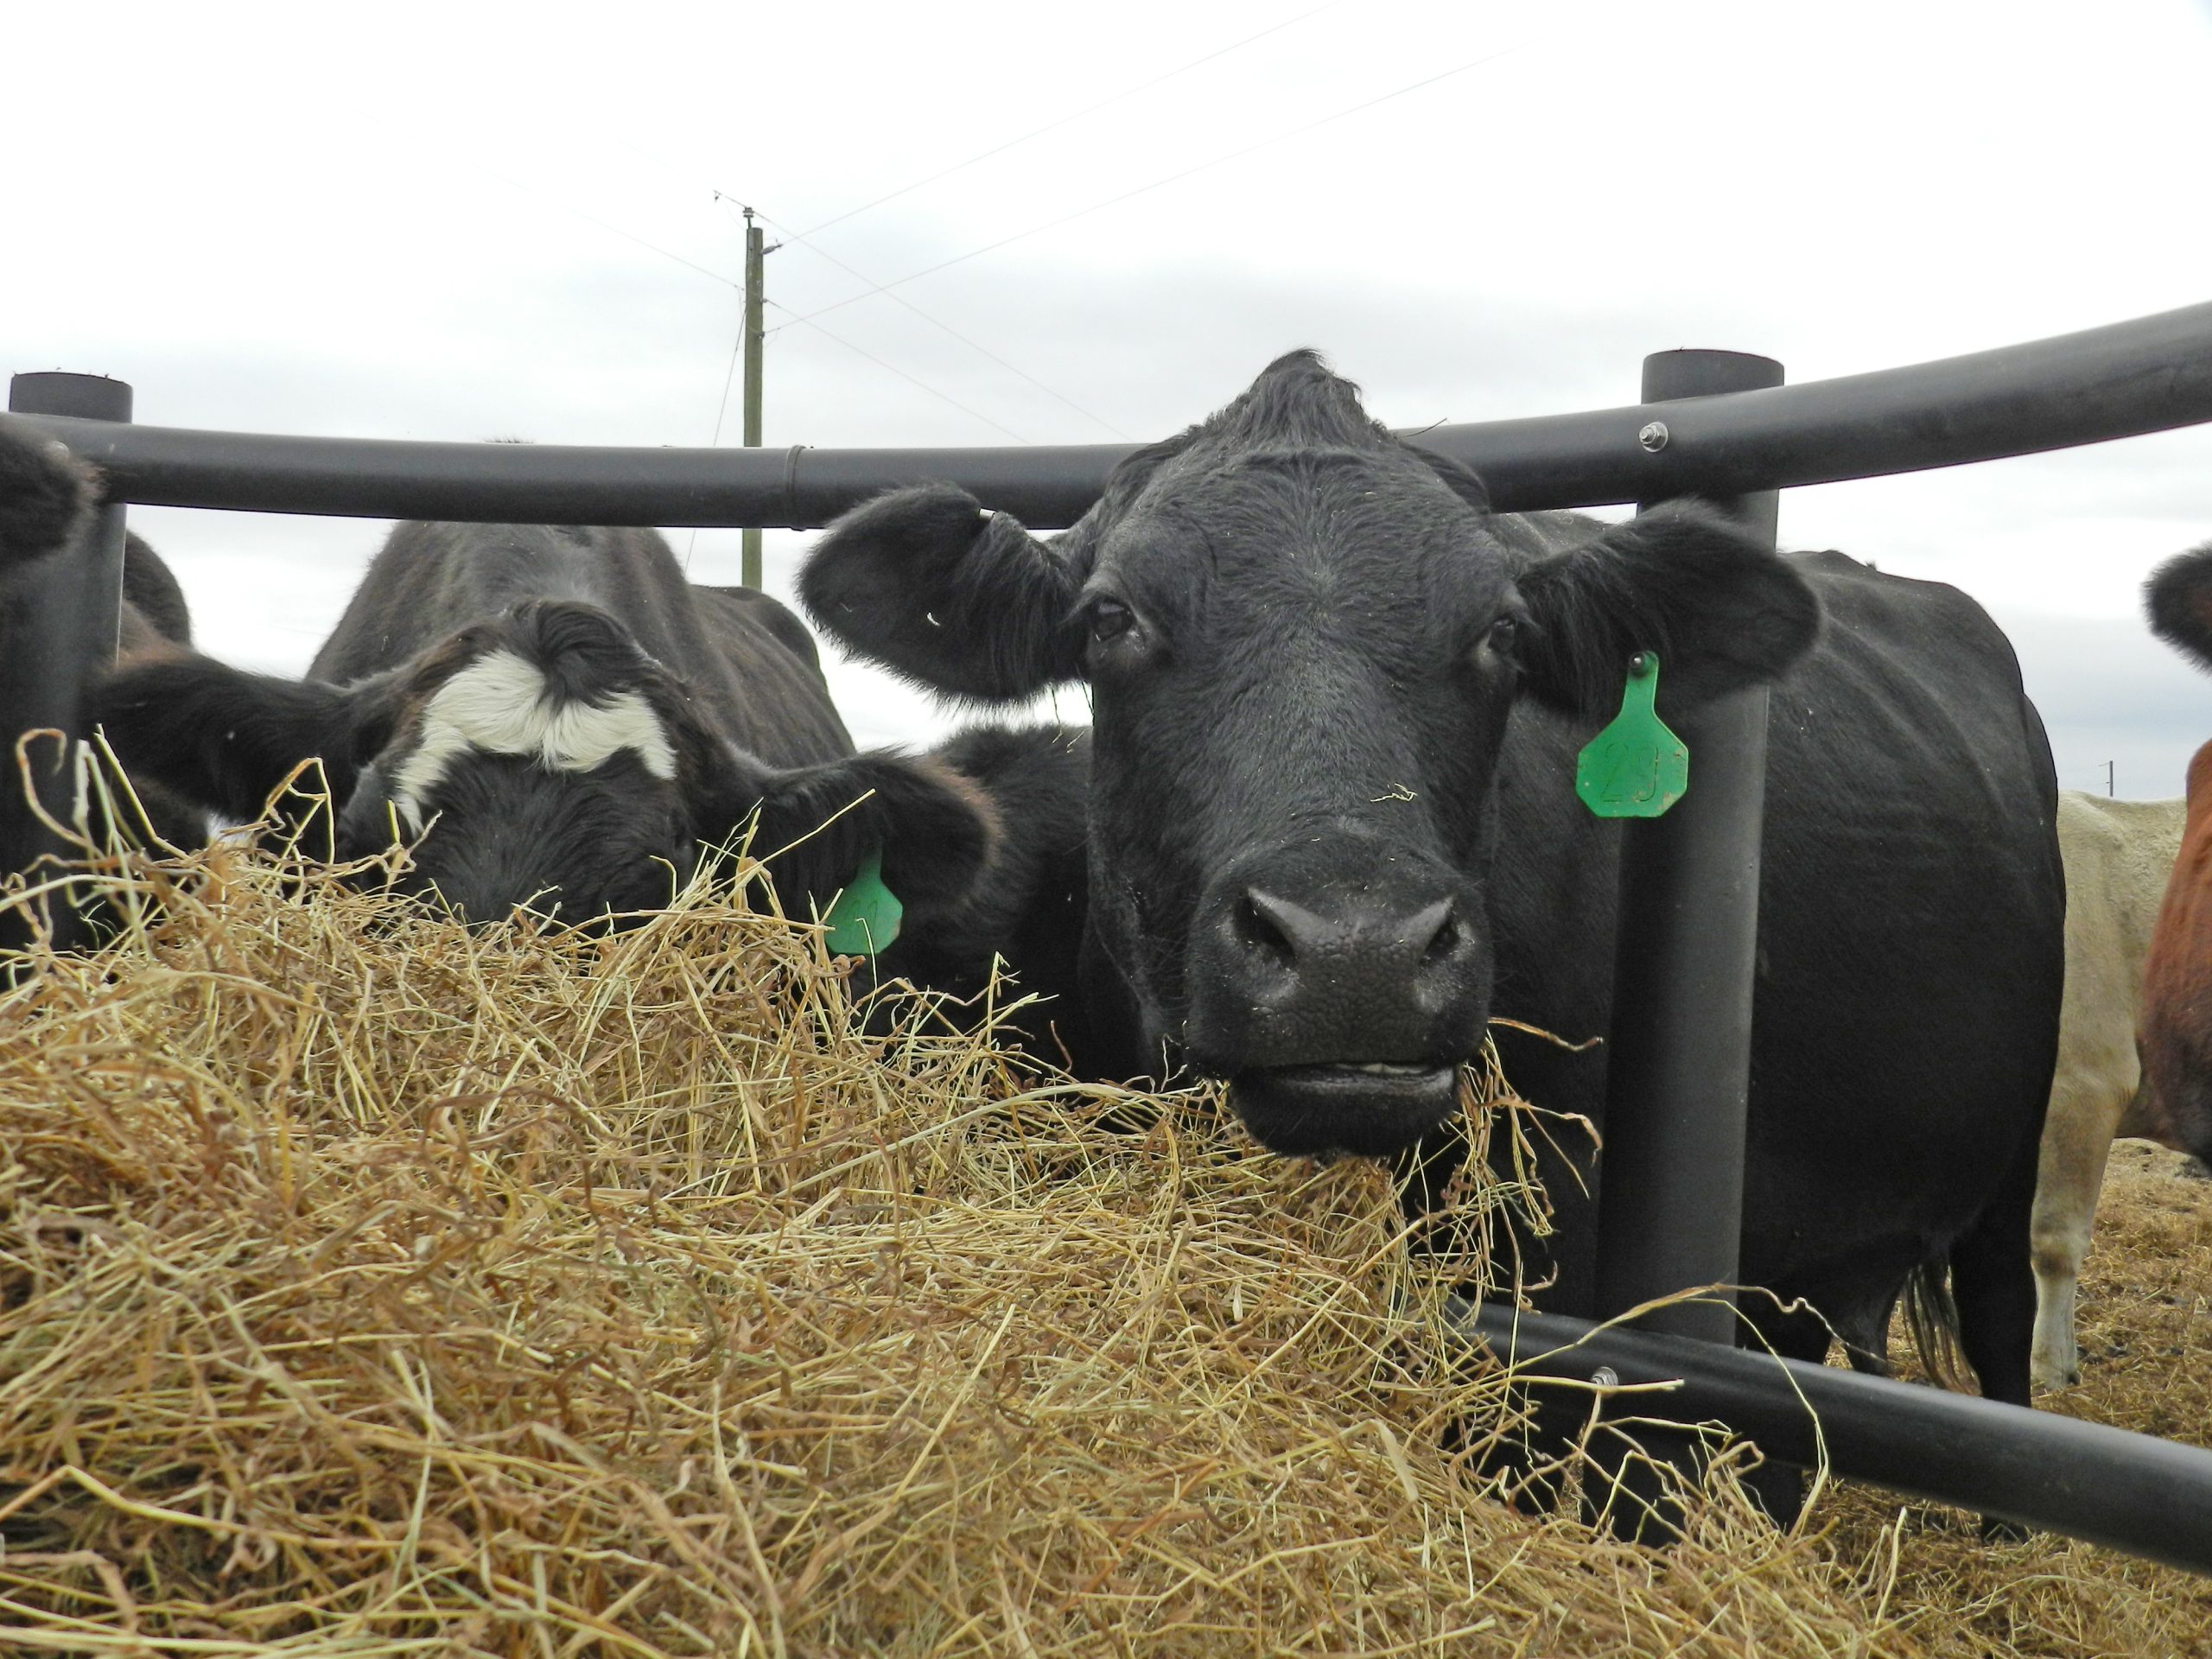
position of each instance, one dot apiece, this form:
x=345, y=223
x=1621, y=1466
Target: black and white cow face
x=541, y=758
x=532, y=760
x=1303, y=640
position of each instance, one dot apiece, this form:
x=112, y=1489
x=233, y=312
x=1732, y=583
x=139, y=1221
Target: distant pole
x=2108, y=779
x=756, y=256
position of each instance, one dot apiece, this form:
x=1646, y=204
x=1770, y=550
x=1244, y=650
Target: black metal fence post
x=1679, y=1075
x=1671, y=1171
x=57, y=624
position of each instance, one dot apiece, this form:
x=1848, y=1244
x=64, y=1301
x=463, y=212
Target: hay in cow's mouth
x=373, y=1285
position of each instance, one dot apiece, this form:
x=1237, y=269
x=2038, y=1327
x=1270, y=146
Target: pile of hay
x=368, y=1286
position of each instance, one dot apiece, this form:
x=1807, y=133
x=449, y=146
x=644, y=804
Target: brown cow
x=2175, y=1030
x=2117, y=855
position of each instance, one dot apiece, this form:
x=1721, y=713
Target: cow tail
x=1932, y=1316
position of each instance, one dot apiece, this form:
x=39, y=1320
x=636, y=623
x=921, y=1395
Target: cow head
x=1303, y=639
x=541, y=757
x=2177, y=600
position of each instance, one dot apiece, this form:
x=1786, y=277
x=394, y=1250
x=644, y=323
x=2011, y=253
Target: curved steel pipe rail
x=2113, y=382
x=2129, y=1493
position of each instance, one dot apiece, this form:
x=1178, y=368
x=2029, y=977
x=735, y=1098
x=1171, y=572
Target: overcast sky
x=460, y=222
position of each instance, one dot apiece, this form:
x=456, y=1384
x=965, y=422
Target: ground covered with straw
x=368, y=1286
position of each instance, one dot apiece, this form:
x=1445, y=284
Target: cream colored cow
x=2118, y=855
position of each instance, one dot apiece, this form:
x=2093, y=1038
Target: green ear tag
x=1636, y=768
x=865, y=919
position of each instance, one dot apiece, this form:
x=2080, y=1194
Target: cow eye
x=1110, y=619
x=1501, y=635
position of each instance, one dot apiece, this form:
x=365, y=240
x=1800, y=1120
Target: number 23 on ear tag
x=1636, y=768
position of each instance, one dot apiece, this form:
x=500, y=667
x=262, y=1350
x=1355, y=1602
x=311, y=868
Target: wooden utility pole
x=756, y=256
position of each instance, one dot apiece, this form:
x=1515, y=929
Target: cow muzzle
x=1338, y=988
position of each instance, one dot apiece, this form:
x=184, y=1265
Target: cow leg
x=1994, y=1286
x=2076, y=1141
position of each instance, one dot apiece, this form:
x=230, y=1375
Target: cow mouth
x=1363, y=1110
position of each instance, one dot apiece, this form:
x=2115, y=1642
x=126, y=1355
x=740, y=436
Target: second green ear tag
x=865, y=919
x=1636, y=768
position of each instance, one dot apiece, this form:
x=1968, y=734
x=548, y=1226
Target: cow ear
x=1683, y=580
x=2178, y=598
x=226, y=739
x=45, y=495
x=925, y=583
x=935, y=829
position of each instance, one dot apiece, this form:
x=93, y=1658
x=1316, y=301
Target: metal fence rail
x=2130, y=1493
x=2114, y=382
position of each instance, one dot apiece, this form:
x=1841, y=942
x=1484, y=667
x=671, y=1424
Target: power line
x=722, y=412
x=565, y=205
x=1054, y=126
x=939, y=322
x=725, y=197
x=1171, y=178
x=903, y=375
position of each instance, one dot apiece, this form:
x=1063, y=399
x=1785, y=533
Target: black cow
x=1332, y=823
x=556, y=717
x=1027, y=907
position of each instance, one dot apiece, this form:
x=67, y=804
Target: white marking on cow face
x=500, y=704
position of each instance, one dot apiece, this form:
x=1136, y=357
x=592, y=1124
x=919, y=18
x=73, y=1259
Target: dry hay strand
x=371, y=1286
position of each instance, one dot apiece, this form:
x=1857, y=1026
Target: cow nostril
x=1441, y=919
x=1261, y=925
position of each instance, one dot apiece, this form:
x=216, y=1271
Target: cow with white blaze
x=1332, y=826
x=557, y=718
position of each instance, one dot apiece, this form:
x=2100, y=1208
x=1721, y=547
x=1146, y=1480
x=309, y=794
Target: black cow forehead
x=1297, y=401
x=1296, y=406
x=1266, y=544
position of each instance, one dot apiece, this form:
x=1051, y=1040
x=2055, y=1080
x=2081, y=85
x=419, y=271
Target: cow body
x=1909, y=973
x=554, y=717
x=2119, y=856
x=748, y=664
x=1333, y=826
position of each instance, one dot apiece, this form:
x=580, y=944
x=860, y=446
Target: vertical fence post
x=1671, y=1186
x=59, y=620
